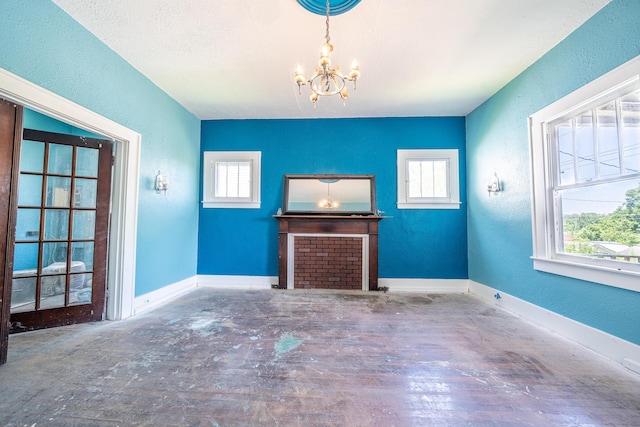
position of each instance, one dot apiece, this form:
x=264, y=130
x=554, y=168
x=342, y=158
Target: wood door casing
x=10, y=137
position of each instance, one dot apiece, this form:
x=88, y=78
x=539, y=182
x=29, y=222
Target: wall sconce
x=162, y=182
x=493, y=186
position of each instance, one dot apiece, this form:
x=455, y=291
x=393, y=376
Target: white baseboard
x=616, y=349
x=237, y=282
x=439, y=286
x=163, y=295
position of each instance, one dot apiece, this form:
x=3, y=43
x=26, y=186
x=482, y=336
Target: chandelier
x=327, y=80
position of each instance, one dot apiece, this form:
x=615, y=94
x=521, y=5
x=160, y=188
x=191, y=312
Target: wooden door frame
x=10, y=150
x=124, y=197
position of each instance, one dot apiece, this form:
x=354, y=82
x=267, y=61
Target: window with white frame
x=586, y=182
x=428, y=179
x=231, y=179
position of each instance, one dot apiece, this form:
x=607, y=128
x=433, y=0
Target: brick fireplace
x=328, y=261
x=328, y=252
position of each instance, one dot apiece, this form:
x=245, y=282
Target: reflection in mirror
x=329, y=194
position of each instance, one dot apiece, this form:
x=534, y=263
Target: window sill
x=604, y=275
x=449, y=205
x=232, y=205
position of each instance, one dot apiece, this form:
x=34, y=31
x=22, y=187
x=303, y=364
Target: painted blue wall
x=413, y=243
x=42, y=44
x=500, y=232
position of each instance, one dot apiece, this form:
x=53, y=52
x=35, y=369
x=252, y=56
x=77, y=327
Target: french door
x=61, y=231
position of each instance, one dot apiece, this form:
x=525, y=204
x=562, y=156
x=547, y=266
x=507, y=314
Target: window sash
x=232, y=179
x=427, y=180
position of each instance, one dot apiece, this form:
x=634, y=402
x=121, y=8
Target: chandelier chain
x=327, y=34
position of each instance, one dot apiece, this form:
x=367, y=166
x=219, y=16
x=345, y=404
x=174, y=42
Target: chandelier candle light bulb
x=327, y=81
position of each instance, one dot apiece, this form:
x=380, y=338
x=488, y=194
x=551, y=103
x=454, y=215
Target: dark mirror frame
x=313, y=178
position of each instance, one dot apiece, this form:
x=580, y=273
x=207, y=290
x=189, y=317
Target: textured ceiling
x=234, y=59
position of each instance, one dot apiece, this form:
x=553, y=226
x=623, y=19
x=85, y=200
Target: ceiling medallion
x=337, y=6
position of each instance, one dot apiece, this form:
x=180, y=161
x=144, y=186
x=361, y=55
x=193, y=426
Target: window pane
x=25, y=257
x=31, y=156
x=601, y=221
x=427, y=178
x=630, y=124
x=53, y=255
x=566, y=156
x=585, y=147
x=81, y=294
x=85, y=193
x=84, y=225
x=30, y=190
x=56, y=224
x=440, y=178
x=58, y=191
x=28, y=224
x=60, y=159
x=233, y=179
x=607, y=139
x=87, y=162
x=23, y=293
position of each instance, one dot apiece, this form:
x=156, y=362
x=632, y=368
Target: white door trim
x=124, y=193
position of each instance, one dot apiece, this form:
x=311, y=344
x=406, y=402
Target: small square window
x=428, y=179
x=231, y=179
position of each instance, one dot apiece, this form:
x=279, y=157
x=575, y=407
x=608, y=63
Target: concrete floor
x=312, y=358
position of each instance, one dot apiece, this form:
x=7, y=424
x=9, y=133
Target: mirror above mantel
x=329, y=194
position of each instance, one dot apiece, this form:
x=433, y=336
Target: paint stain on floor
x=286, y=343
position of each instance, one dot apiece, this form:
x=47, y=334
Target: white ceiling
x=234, y=59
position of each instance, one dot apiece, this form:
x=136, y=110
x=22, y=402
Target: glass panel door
x=63, y=202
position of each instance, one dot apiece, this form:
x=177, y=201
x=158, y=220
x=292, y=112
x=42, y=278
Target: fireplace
x=329, y=252
x=328, y=261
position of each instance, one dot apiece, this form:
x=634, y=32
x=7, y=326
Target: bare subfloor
x=312, y=358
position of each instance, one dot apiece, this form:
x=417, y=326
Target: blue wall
x=44, y=45
x=500, y=233
x=413, y=243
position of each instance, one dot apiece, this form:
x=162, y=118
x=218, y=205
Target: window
x=231, y=179
x=586, y=181
x=428, y=179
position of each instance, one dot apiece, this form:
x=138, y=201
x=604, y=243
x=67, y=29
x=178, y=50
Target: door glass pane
x=54, y=257
x=28, y=224
x=83, y=252
x=85, y=193
x=52, y=290
x=77, y=275
x=56, y=224
x=84, y=224
x=30, y=190
x=60, y=159
x=58, y=192
x=31, y=156
x=87, y=162
x=25, y=257
x=82, y=294
x=23, y=293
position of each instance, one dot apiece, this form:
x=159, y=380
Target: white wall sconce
x=493, y=186
x=162, y=182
